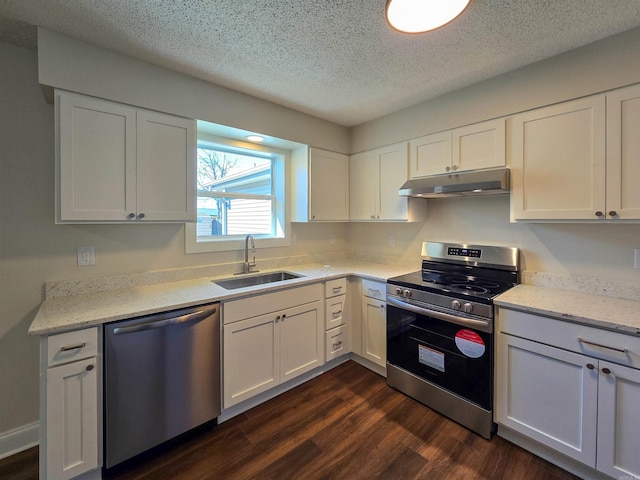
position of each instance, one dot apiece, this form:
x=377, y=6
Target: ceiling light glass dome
x=417, y=16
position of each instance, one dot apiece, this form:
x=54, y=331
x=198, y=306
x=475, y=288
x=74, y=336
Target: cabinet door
x=97, y=159
x=374, y=330
x=618, y=421
x=166, y=167
x=301, y=331
x=72, y=419
x=251, y=364
x=393, y=174
x=549, y=395
x=364, y=185
x=478, y=146
x=558, y=162
x=328, y=185
x=430, y=155
x=623, y=152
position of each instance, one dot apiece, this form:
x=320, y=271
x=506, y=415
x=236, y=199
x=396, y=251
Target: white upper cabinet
x=623, y=153
x=558, y=161
x=473, y=147
x=117, y=163
x=320, y=187
x=375, y=177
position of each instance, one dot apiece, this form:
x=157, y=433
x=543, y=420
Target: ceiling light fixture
x=255, y=138
x=418, y=16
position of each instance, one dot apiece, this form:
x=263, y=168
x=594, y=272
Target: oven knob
x=467, y=307
x=455, y=305
x=399, y=291
x=407, y=293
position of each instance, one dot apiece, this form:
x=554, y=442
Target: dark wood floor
x=346, y=424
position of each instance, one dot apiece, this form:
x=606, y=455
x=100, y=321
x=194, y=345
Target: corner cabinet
x=578, y=160
x=472, y=147
x=70, y=404
x=375, y=177
x=572, y=388
x=269, y=339
x=320, y=186
x=116, y=163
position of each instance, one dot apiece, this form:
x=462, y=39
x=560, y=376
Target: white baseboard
x=15, y=441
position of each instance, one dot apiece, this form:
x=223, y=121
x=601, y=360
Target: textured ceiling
x=335, y=59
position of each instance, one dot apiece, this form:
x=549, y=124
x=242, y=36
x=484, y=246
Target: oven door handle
x=482, y=325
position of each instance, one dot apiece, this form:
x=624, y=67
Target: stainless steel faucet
x=247, y=266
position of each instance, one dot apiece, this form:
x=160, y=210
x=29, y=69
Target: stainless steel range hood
x=477, y=182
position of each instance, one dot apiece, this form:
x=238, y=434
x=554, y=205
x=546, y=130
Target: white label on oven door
x=431, y=358
x=470, y=343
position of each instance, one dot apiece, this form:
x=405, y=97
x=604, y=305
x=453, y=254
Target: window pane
x=237, y=216
x=220, y=171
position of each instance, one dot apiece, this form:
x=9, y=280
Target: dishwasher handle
x=189, y=317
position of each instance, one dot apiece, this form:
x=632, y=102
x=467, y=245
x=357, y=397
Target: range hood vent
x=477, y=182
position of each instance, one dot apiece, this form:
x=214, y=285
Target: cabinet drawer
x=335, y=287
x=373, y=289
x=334, y=311
x=337, y=342
x=72, y=346
x=595, y=342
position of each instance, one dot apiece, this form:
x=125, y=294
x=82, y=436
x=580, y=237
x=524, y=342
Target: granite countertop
x=611, y=313
x=71, y=312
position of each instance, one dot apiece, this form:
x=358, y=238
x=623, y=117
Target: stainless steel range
x=440, y=329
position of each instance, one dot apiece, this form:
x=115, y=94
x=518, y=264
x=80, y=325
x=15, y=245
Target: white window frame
x=281, y=191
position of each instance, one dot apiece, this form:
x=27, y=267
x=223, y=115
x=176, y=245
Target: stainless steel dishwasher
x=162, y=378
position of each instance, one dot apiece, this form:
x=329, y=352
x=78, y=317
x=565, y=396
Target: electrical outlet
x=86, y=256
x=392, y=241
x=636, y=258
x=332, y=239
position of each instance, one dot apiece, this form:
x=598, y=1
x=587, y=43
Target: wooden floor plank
x=344, y=424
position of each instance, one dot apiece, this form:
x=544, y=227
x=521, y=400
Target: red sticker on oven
x=470, y=343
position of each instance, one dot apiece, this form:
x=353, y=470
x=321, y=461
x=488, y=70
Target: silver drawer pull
x=67, y=348
x=337, y=314
x=336, y=289
x=375, y=292
x=336, y=345
x=587, y=342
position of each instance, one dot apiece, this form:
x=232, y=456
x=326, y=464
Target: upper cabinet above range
x=320, y=186
x=578, y=160
x=117, y=163
x=473, y=147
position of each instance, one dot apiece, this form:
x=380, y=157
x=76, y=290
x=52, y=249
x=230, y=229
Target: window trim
x=282, y=167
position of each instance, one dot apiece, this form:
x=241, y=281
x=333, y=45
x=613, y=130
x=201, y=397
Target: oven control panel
x=464, y=252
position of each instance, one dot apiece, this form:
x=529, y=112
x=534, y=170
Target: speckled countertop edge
x=71, y=312
x=618, y=314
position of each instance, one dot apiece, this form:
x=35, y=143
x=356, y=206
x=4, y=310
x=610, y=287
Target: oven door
x=455, y=353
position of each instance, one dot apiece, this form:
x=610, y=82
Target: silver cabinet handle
x=337, y=289
x=131, y=215
x=587, y=342
x=77, y=346
x=337, y=314
x=448, y=169
x=141, y=216
x=599, y=213
x=189, y=317
x=613, y=213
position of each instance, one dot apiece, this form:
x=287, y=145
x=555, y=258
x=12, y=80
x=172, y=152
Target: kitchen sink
x=252, y=280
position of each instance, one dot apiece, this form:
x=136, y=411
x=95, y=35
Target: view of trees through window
x=235, y=192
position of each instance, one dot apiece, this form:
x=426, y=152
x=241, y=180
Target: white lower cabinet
x=374, y=322
x=560, y=386
x=263, y=351
x=69, y=438
x=337, y=337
